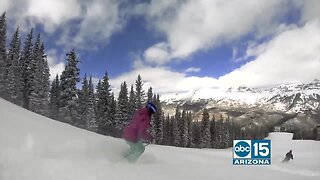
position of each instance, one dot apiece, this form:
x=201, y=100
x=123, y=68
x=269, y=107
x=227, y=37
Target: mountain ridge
x=285, y=98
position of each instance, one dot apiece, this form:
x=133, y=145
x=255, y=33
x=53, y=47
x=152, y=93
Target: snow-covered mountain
x=284, y=98
x=33, y=147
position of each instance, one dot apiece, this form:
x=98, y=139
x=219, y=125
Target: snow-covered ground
x=33, y=147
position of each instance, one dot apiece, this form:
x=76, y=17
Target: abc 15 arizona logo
x=252, y=152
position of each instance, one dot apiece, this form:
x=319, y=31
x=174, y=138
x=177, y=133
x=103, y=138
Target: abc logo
x=242, y=149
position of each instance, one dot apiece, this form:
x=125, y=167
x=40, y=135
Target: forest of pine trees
x=24, y=80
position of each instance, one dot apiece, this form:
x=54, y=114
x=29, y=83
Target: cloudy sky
x=178, y=45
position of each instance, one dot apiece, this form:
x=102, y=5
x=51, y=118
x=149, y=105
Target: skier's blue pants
x=136, y=150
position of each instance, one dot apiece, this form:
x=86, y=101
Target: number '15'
x=262, y=149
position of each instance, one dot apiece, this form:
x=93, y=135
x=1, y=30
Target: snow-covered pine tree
x=91, y=118
x=175, y=136
x=131, y=104
x=34, y=103
x=189, y=120
x=150, y=95
x=27, y=70
x=99, y=108
x=103, y=112
x=184, y=129
x=205, y=130
x=40, y=82
x=167, y=131
x=163, y=142
x=225, y=141
x=122, y=110
x=140, y=94
x=3, y=54
x=213, y=131
x=44, y=81
x=54, y=101
x=218, y=133
x=177, y=132
x=113, y=108
x=107, y=118
x=14, y=70
x=69, y=93
x=157, y=123
x=228, y=133
x=195, y=134
x=83, y=102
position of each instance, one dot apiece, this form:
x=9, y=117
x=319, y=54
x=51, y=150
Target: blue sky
x=178, y=45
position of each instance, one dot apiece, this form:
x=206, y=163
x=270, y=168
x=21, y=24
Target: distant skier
x=289, y=156
x=136, y=133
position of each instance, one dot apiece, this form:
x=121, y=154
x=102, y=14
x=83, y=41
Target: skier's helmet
x=151, y=107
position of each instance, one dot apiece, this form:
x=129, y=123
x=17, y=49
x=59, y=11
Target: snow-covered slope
x=33, y=147
x=287, y=97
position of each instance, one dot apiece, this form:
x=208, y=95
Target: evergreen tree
x=213, y=131
x=150, y=95
x=69, y=92
x=184, y=129
x=190, y=134
x=175, y=132
x=91, y=118
x=86, y=106
x=122, y=109
x=14, y=70
x=113, y=108
x=157, y=122
x=104, y=117
x=34, y=99
x=55, y=92
x=83, y=102
x=3, y=54
x=178, y=123
x=40, y=82
x=100, y=103
x=44, y=74
x=27, y=70
x=218, y=133
x=196, y=135
x=140, y=96
x=131, y=104
x=228, y=133
x=205, y=130
x=166, y=131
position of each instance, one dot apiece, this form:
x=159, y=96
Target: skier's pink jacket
x=137, y=129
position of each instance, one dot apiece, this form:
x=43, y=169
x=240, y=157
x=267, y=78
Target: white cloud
x=309, y=9
x=160, y=78
x=52, y=13
x=191, y=26
x=163, y=80
x=4, y=5
x=56, y=66
x=158, y=54
x=95, y=81
x=292, y=56
x=194, y=83
x=80, y=24
x=192, y=69
x=100, y=20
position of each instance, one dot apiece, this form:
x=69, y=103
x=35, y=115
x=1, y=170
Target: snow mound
x=280, y=136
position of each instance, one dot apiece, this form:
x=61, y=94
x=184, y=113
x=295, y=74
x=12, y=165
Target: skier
x=289, y=156
x=136, y=133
